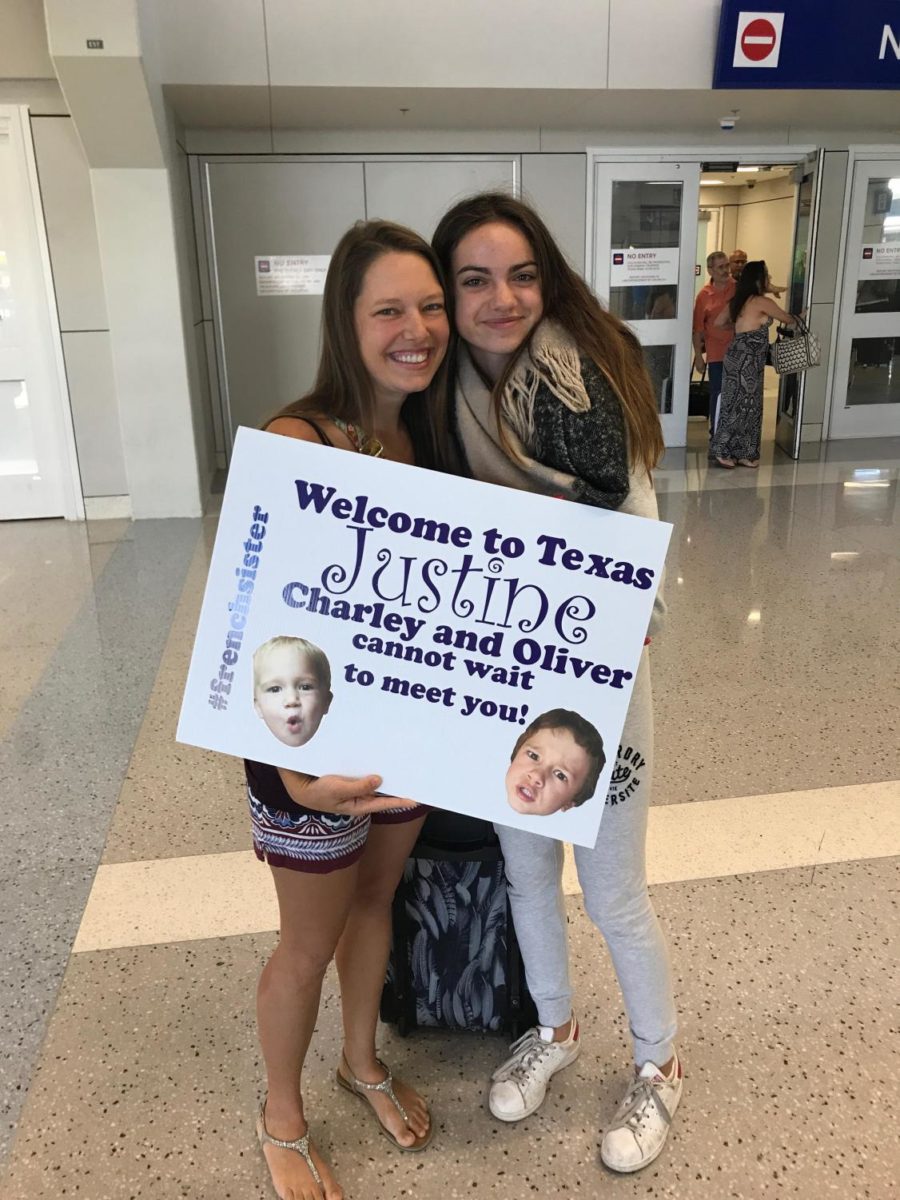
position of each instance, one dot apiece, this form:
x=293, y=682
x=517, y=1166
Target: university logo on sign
x=757, y=41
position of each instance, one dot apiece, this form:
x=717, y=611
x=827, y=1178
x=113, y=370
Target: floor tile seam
x=164, y=670
x=108, y=619
x=51, y=650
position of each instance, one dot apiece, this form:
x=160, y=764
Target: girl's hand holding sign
x=341, y=794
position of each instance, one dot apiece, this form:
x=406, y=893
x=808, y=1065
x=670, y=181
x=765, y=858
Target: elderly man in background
x=711, y=341
x=737, y=260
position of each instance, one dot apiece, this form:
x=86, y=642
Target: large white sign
x=364, y=617
x=634, y=268
x=880, y=261
x=290, y=274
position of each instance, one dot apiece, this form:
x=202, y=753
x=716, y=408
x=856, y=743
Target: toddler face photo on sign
x=291, y=688
x=555, y=764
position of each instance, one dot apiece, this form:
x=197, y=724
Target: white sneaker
x=518, y=1087
x=639, y=1129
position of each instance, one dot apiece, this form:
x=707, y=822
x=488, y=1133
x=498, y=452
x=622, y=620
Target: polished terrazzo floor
x=134, y=920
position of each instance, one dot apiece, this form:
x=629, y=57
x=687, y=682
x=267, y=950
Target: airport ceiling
x=670, y=112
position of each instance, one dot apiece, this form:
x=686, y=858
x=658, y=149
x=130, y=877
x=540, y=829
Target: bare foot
x=749, y=462
x=726, y=462
x=415, y=1132
x=291, y=1176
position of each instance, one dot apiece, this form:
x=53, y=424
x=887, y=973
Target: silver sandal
x=358, y=1087
x=300, y=1145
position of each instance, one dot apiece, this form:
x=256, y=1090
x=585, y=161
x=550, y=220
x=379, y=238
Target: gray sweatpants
x=613, y=879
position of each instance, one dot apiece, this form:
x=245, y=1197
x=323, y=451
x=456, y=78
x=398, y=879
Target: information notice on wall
x=638, y=268
x=291, y=274
x=476, y=646
x=880, y=261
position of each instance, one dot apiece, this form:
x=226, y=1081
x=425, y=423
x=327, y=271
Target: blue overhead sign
x=809, y=44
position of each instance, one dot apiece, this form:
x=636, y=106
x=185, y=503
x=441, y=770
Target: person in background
x=737, y=260
x=749, y=314
x=710, y=339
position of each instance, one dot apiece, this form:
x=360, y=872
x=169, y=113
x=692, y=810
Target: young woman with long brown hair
x=551, y=395
x=335, y=847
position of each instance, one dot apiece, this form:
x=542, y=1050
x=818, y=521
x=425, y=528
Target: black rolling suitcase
x=699, y=397
x=455, y=961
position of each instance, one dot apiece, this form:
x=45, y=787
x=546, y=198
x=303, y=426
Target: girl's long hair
x=568, y=300
x=751, y=283
x=343, y=387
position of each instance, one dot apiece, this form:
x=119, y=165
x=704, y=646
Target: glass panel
x=646, y=216
x=874, y=371
x=660, y=361
x=878, y=288
x=17, y=456
x=789, y=385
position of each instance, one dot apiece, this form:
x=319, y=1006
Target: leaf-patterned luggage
x=455, y=961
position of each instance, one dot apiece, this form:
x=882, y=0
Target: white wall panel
x=23, y=41
x=114, y=22
x=765, y=228
x=95, y=413
x=556, y=184
x=71, y=229
x=209, y=41
x=661, y=44
x=137, y=247
x=510, y=43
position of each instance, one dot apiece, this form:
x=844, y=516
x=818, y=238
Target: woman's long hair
x=751, y=283
x=343, y=387
x=568, y=300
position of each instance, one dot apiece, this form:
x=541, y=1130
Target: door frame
x=787, y=155
x=674, y=332
x=861, y=152
x=50, y=339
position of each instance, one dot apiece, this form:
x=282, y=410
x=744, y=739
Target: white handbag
x=796, y=349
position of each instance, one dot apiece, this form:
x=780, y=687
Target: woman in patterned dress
x=751, y=312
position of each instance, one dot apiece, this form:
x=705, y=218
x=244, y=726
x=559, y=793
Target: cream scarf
x=552, y=360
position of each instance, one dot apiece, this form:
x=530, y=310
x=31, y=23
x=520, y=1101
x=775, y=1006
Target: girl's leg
x=361, y=958
x=613, y=878
x=312, y=909
x=614, y=882
x=534, y=875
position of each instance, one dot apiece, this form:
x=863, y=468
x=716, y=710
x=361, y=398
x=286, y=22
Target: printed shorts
x=318, y=842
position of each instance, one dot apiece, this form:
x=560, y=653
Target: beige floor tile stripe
x=224, y=895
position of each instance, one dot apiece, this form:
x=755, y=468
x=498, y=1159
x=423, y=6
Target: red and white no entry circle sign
x=758, y=39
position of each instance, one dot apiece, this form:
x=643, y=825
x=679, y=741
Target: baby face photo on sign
x=291, y=688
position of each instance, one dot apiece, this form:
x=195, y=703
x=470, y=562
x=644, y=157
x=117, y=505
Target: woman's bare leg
x=313, y=910
x=361, y=958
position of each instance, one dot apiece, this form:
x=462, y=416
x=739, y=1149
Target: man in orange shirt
x=708, y=339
